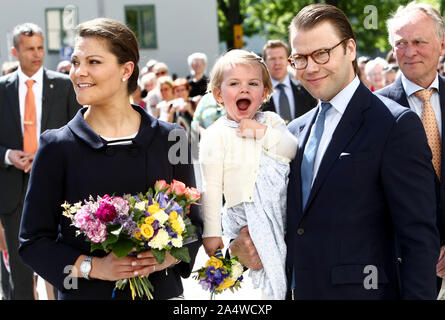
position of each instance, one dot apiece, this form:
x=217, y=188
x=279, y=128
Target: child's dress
x=265, y=215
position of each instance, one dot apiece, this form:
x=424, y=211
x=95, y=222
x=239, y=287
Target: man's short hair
x=428, y=9
x=28, y=29
x=275, y=44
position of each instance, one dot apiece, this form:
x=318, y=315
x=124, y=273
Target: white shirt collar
x=286, y=82
x=341, y=100
x=37, y=77
x=410, y=87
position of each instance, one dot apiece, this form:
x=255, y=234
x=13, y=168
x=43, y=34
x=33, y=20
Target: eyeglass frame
x=328, y=50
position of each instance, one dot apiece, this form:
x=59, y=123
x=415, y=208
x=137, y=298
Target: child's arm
x=211, y=154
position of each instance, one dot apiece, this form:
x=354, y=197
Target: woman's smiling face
x=242, y=91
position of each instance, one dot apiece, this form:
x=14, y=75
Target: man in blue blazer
x=416, y=34
x=362, y=182
x=56, y=104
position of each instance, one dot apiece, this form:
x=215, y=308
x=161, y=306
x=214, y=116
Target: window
x=60, y=23
x=141, y=19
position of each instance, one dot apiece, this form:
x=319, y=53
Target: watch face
x=85, y=267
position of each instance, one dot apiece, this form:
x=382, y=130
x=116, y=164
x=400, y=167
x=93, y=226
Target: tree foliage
x=271, y=18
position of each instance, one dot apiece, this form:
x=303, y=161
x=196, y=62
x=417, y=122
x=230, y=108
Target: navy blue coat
x=396, y=92
x=375, y=186
x=72, y=163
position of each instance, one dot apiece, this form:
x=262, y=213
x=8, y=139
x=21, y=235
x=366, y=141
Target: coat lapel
x=350, y=122
x=12, y=96
x=49, y=89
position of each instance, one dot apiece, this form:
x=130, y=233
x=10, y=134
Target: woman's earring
x=124, y=79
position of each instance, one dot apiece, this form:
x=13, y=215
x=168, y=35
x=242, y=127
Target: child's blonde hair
x=233, y=58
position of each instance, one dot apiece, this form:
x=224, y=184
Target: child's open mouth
x=243, y=104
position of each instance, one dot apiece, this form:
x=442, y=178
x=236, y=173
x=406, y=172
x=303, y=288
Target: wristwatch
x=85, y=267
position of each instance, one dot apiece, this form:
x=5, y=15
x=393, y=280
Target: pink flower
x=121, y=205
x=161, y=185
x=178, y=187
x=82, y=218
x=192, y=194
x=106, y=212
x=97, y=231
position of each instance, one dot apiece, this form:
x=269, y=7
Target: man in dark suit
x=362, y=179
x=416, y=34
x=24, y=114
x=289, y=100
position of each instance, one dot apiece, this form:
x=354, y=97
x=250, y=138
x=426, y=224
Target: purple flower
x=206, y=285
x=162, y=199
x=155, y=225
x=106, y=212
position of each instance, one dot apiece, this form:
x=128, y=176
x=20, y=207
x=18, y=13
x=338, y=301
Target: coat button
x=300, y=231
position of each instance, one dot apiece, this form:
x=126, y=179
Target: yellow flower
x=138, y=235
x=177, y=227
x=150, y=220
x=173, y=216
x=147, y=231
x=226, y=284
x=153, y=208
x=214, y=262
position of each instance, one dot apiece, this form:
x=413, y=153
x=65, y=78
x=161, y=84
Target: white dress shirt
x=416, y=104
x=37, y=88
x=289, y=94
x=332, y=118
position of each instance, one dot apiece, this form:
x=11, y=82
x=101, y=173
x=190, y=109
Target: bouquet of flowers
x=130, y=224
x=220, y=274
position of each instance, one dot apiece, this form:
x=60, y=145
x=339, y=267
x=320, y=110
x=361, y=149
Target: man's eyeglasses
x=321, y=56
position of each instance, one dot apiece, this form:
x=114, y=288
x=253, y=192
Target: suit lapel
x=47, y=99
x=12, y=96
x=398, y=94
x=350, y=122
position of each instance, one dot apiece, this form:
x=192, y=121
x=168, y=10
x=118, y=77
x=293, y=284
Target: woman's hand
x=146, y=264
x=112, y=268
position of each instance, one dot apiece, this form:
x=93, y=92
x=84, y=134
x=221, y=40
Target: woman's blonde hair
x=236, y=57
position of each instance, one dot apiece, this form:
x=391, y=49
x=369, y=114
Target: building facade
x=167, y=30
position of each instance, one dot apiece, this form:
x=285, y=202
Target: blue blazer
x=375, y=186
x=73, y=163
x=396, y=92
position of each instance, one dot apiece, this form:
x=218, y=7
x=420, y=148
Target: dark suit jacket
x=73, y=163
x=303, y=101
x=396, y=92
x=375, y=183
x=59, y=105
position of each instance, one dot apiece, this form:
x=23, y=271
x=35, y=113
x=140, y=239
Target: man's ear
x=14, y=52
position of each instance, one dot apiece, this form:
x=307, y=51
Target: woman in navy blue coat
x=110, y=147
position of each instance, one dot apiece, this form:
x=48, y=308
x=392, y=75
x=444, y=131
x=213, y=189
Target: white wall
x=182, y=26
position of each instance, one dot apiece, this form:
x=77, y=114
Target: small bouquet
x=220, y=274
x=131, y=224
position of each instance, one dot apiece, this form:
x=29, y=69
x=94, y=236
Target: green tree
x=271, y=18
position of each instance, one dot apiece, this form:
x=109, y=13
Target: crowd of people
x=316, y=163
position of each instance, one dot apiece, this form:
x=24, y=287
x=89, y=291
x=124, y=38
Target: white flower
x=237, y=270
x=160, y=240
x=177, y=242
x=140, y=205
x=161, y=216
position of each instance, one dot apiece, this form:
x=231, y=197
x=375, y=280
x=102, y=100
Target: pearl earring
x=124, y=79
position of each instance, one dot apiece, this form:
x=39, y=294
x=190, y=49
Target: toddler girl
x=245, y=157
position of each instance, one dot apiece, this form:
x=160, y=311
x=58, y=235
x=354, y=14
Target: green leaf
x=95, y=246
x=159, y=255
x=122, y=248
x=113, y=227
x=181, y=254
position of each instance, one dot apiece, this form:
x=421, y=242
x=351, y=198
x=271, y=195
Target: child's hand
x=211, y=244
x=249, y=128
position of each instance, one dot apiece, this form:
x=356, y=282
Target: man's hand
x=21, y=160
x=243, y=248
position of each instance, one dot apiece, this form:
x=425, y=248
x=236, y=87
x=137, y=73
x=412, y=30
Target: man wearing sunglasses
x=362, y=183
